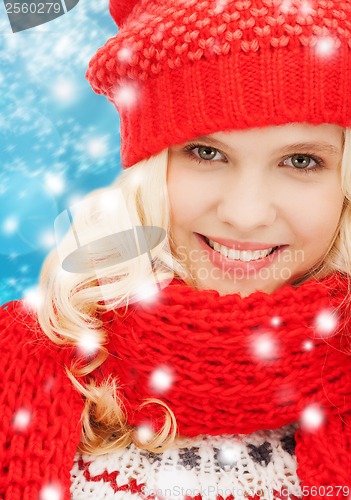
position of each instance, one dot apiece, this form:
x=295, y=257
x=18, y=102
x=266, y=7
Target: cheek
x=317, y=216
x=177, y=193
x=189, y=197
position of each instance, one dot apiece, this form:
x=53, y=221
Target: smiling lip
x=241, y=245
x=234, y=265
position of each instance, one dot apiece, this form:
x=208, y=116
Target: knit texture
x=238, y=365
x=39, y=410
x=185, y=68
x=120, y=9
x=243, y=467
x=221, y=384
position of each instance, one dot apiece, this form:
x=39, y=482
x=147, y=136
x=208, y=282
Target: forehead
x=325, y=130
x=327, y=137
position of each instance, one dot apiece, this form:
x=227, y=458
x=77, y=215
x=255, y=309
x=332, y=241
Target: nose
x=247, y=202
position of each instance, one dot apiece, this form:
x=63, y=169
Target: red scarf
x=239, y=365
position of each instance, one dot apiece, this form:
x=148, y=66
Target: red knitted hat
x=178, y=69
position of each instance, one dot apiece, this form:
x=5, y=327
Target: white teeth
x=224, y=250
x=215, y=245
x=233, y=254
x=245, y=256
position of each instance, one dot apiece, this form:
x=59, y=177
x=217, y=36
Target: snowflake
x=285, y=6
x=88, y=342
x=54, y=183
x=326, y=322
x=161, y=379
x=126, y=96
x=22, y=419
x=312, y=417
x=325, y=46
x=137, y=177
x=125, y=54
x=307, y=345
x=10, y=225
x=264, y=346
x=47, y=240
x=229, y=453
x=276, y=321
x=145, y=433
x=33, y=297
x=146, y=291
x=97, y=147
x=65, y=91
x=220, y=6
x=305, y=9
x=51, y=492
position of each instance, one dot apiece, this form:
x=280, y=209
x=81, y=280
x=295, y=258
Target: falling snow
x=307, y=345
x=305, y=9
x=60, y=140
x=229, y=454
x=325, y=46
x=145, y=433
x=326, y=323
x=285, y=6
x=312, y=418
x=51, y=492
x=124, y=54
x=146, y=291
x=161, y=379
x=220, y=6
x=32, y=297
x=97, y=147
x=276, y=321
x=264, y=346
x=126, y=96
x=54, y=183
x=88, y=343
x=22, y=419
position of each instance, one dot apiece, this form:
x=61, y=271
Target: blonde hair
x=72, y=300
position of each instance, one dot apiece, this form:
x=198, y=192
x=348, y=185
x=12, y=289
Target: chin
x=244, y=288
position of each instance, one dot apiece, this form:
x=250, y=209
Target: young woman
x=193, y=337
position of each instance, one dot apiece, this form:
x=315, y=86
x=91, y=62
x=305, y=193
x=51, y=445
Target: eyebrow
x=322, y=147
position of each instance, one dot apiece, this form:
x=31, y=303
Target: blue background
x=58, y=140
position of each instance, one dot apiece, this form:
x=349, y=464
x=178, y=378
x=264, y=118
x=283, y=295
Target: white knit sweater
x=257, y=466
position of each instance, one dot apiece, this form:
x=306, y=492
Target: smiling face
x=236, y=196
